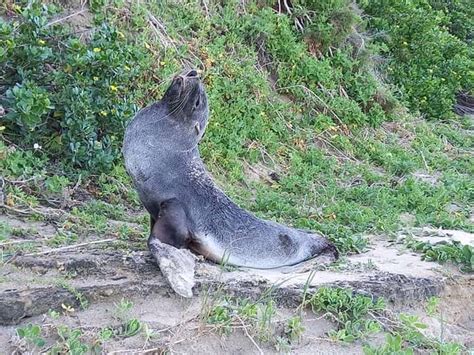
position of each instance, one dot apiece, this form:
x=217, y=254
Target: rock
x=177, y=265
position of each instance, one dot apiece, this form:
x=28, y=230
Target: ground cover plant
x=337, y=116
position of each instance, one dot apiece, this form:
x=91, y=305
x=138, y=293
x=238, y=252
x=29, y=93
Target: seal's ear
x=171, y=227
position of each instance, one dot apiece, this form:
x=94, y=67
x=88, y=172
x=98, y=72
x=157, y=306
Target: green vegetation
x=329, y=115
x=74, y=340
x=66, y=96
x=348, y=310
x=32, y=334
x=358, y=316
x=429, y=60
x=80, y=298
x=455, y=252
x=229, y=312
x=300, y=105
x=355, y=317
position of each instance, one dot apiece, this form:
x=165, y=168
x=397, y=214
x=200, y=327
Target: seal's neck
x=170, y=135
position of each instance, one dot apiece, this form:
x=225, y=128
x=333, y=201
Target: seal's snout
x=187, y=94
x=186, y=80
x=186, y=76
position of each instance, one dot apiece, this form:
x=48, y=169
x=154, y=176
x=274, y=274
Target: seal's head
x=186, y=101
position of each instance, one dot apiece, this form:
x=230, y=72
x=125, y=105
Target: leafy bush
x=459, y=17
x=68, y=96
x=328, y=23
x=338, y=85
x=32, y=334
x=393, y=345
x=427, y=62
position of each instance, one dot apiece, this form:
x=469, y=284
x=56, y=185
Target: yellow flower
x=162, y=63
x=113, y=88
x=120, y=34
x=95, y=78
x=147, y=46
x=127, y=68
x=103, y=113
x=97, y=50
x=405, y=43
x=2, y=128
x=41, y=42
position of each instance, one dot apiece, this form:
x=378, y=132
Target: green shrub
x=336, y=84
x=328, y=23
x=459, y=17
x=427, y=62
x=69, y=96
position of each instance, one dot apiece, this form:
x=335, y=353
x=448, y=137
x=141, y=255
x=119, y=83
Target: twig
x=307, y=90
x=206, y=9
x=337, y=150
x=20, y=242
x=25, y=212
x=139, y=351
x=161, y=32
x=287, y=7
x=72, y=247
x=19, y=181
x=424, y=161
x=298, y=25
x=65, y=18
x=249, y=336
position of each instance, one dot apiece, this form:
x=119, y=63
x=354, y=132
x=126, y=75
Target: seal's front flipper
x=171, y=226
x=170, y=232
x=177, y=266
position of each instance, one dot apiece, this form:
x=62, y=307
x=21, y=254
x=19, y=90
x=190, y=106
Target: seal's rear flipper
x=177, y=266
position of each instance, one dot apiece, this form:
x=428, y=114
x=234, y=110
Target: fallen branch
x=72, y=247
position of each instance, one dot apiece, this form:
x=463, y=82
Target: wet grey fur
x=161, y=154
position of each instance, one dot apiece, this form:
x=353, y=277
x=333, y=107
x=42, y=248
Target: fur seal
x=187, y=209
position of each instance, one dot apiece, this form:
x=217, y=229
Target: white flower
x=36, y=146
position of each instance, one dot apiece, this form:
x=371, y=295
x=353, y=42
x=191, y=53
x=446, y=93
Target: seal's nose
x=191, y=74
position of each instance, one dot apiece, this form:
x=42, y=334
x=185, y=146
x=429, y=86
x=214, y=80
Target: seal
x=187, y=209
